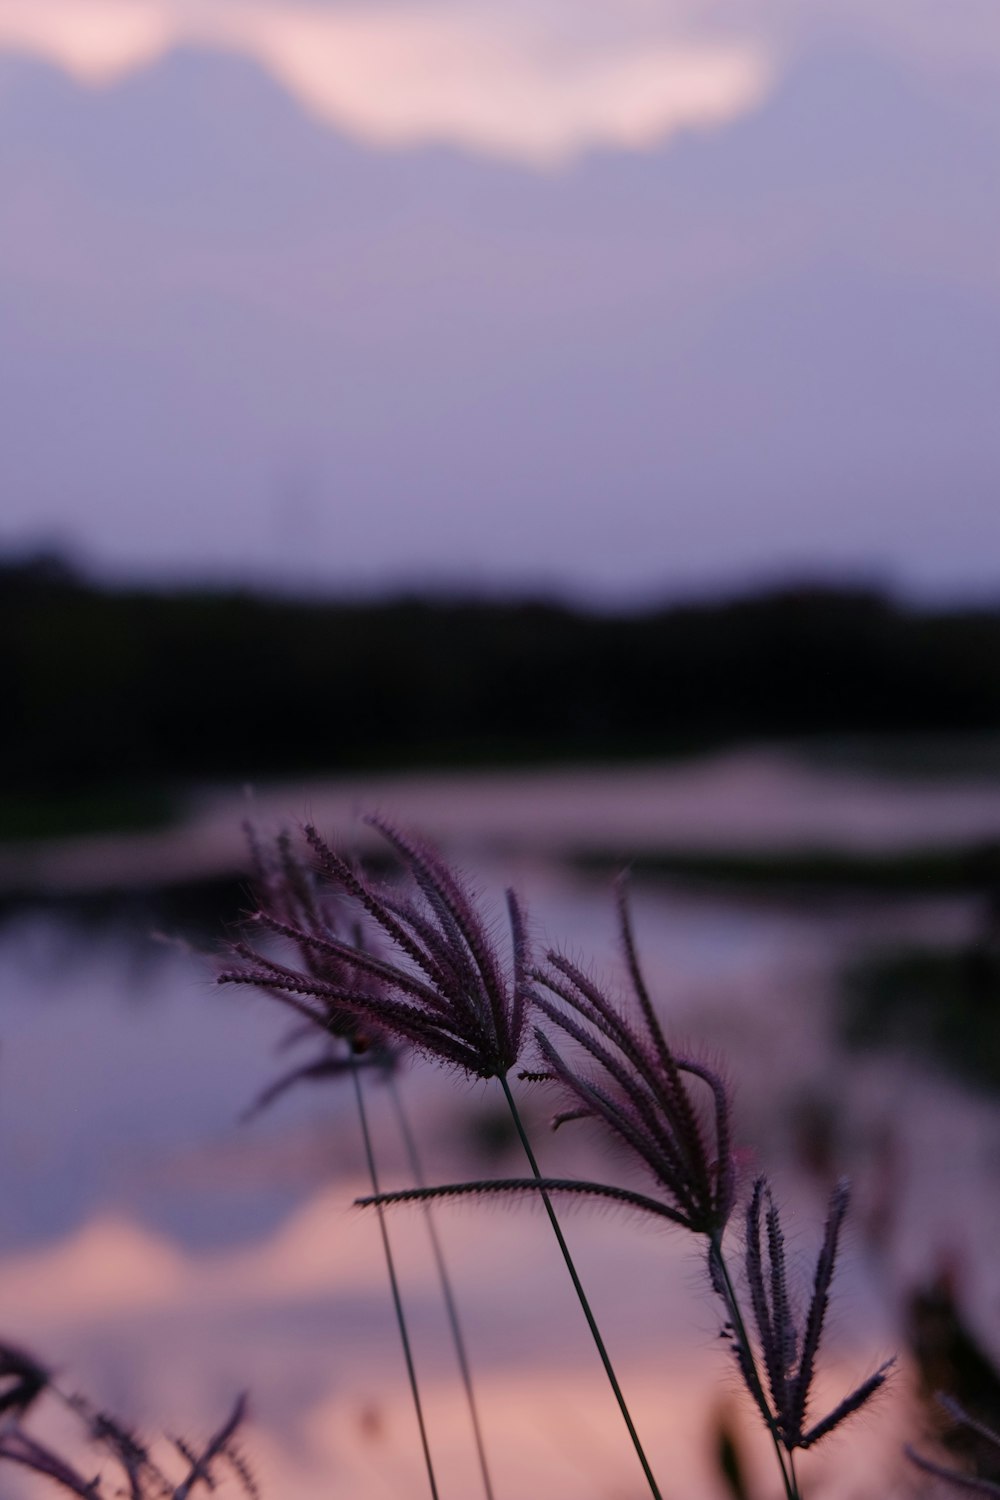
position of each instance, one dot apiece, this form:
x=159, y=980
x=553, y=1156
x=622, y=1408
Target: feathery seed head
x=295, y=909
x=671, y=1112
x=435, y=980
x=788, y=1354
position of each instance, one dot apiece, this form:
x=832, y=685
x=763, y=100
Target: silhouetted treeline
x=103, y=687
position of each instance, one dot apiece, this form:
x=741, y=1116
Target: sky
x=637, y=299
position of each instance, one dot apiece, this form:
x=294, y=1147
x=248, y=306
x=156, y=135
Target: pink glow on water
x=163, y=1257
x=302, y=1317
x=744, y=799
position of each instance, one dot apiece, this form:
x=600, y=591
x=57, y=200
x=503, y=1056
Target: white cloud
x=95, y=40
x=534, y=80
x=520, y=82
x=497, y=84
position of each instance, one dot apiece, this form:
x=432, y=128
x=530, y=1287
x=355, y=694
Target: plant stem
x=393, y=1282
x=447, y=1292
x=581, y=1294
x=740, y=1330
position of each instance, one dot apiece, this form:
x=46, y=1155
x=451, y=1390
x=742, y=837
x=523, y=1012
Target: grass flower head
x=788, y=1353
x=673, y=1114
x=421, y=966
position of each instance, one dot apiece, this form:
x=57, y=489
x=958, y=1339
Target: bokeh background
x=572, y=432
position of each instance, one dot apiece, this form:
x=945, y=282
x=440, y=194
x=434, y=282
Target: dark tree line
x=137, y=687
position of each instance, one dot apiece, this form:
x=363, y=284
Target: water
x=163, y=1255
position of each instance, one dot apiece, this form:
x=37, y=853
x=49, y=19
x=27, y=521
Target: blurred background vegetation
x=116, y=697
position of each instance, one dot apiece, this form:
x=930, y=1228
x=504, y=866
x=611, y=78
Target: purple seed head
x=419, y=965
x=672, y=1113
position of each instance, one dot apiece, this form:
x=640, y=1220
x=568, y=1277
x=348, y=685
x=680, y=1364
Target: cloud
x=514, y=82
x=495, y=84
x=537, y=81
x=95, y=40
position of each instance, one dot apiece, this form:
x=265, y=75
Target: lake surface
x=164, y=1255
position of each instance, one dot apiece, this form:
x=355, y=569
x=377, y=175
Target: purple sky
x=478, y=294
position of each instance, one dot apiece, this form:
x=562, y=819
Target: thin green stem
x=581, y=1294
x=393, y=1281
x=740, y=1331
x=447, y=1291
